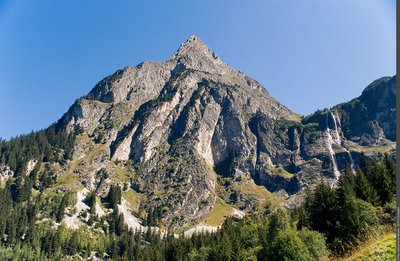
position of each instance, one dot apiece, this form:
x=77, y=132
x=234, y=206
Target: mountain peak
x=191, y=46
x=195, y=54
x=193, y=40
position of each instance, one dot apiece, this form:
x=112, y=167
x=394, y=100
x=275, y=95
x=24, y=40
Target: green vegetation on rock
x=219, y=212
x=282, y=172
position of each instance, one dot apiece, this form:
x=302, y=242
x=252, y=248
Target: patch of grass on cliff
x=95, y=151
x=83, y=138
x=383, y=248
x=218, y=213
x=90, y=100
x=102, y=104
x=282, y=172
x=122, y=173
x=374, y=150
x=297, y=117
x=133, y=199
x=259, y=193
x=286, y=124
x=67, y=179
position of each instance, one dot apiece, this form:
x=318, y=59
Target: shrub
x=315, y=243
x=279, y=221
x=288, y=246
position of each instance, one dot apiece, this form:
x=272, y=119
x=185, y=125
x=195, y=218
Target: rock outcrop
x=5, y=174
x=370, y=120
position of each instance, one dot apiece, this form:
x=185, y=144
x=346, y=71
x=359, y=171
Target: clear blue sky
x=309, y=54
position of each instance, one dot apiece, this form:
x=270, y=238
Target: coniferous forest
x=330, y=223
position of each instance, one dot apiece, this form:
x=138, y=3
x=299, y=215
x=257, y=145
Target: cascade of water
x=330, y=149
x=352, y=166
x=338, y=139
x=339, y=142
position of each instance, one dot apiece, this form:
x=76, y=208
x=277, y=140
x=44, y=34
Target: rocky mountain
x=193, y=140
x=370, y=120
x=363, y=126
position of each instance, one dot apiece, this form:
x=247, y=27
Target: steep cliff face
x=371, y=118
x=339, y=136
x=181, y=133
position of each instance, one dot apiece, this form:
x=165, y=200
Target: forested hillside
x=331, y=223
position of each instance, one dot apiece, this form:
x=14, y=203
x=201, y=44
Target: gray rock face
x=135, y=84
x=195, y=55
x=84, y=115
x=5, y=174
x=371, y=118
x=184, y=122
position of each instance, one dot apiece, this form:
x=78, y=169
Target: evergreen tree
x=279, y=221
x=61, y=209
x=73, y=244
x=92, y=202
x=321, y=208
x=382, y=182
x=348, y=181
x=114, y=197
x=365, y=164
x=364, y=190
x=390, y=166
x=354, y=217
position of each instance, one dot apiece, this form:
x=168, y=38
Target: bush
x=279, y=221
x=315, y=243
x=389, y=210
x=288, y=246
x=356, y=218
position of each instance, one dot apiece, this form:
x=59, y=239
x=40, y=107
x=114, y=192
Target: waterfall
x=339, y=142
x=338, y=139
x=352, y=166
x=330, y=149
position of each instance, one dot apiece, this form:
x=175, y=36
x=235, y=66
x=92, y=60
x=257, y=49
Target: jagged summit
x=193, y=41
x=148, y=78
x=195, y=54
x=192, y=46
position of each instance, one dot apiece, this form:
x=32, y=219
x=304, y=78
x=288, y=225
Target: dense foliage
x=348, y=213
x=331, y=221
x=47, y=145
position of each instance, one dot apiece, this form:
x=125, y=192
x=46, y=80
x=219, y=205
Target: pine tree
x=391, y=171
x=321, y=208
x=382, y=182
x=92, y=203
x=390, y=166
x=348, y=181
x=150, y=218
x=114, y=197
x=61, y=209
x=364, y=190
x=73, y=244
x=365, y=164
